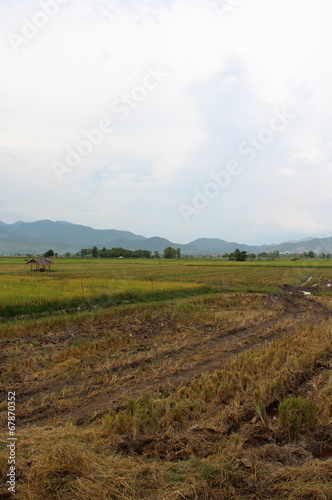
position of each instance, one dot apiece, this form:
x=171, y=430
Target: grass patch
x=297, y=415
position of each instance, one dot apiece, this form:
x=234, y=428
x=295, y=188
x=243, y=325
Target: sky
x=181, y=118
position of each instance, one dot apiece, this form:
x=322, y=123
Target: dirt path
x=178, y=365
x=230, y=343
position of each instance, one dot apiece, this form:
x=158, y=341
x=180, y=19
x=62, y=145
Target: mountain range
x=37, y=237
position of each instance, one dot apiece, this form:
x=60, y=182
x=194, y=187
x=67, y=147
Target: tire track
x=96, y=401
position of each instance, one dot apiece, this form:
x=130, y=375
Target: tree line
x=241, y=256
x=118, y=252
x=114, y=252
x=175, y=253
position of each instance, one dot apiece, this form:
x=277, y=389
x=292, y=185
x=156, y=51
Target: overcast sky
x=177, y=118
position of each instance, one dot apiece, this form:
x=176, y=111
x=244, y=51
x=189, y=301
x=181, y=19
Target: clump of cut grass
x=70, y=470
x=149, y=414
x=192, y=311
x=261, y=412
x=297, y=415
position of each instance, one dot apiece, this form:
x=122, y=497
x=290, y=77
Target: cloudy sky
x=176, y=118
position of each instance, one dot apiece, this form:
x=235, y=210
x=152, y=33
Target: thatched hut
x=40, y=264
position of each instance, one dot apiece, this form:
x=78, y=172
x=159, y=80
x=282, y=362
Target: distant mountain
x=222, y=246
x=156, y=243
x=317, y=245
x=300, y=241
x=61, y=236
x=65, y=232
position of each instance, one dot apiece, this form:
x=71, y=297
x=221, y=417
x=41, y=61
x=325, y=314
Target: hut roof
x=41, y=262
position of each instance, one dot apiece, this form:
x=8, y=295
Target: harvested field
x=218, y=395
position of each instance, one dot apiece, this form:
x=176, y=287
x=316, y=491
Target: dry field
x=223, y=393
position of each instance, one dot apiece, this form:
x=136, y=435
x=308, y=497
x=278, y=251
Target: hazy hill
x=317, y=245
x=64, y=232
x=38, y=237
x=218, y=245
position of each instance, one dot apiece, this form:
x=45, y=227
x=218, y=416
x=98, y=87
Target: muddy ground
x=78, y=372
x=157, y=354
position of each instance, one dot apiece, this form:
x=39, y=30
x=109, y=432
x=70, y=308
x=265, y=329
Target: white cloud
x=226, y=76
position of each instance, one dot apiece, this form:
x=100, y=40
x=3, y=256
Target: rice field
x=140, y=380
x=30, y=294
x=77, y=284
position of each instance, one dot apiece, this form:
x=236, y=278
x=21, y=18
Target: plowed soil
x=158, y=353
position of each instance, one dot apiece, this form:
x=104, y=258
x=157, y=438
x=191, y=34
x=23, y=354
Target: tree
x=139, y=254
x=178, y=253
x=156, y=254
x=95, y=252
x=238, y=256
x=170, y=253
x=49, y=253
x=274, y=255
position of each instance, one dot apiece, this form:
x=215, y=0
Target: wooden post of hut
x=41, y=264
